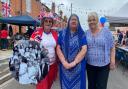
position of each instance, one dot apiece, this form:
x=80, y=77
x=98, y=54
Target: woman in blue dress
x=71, y=50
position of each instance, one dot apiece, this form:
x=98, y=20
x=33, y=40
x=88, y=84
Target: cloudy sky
x=83, y=7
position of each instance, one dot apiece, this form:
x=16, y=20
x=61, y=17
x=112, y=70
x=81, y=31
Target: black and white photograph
x=26, y=61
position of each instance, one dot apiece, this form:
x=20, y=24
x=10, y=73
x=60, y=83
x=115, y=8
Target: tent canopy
x=24, y=20
x=120, y=18
x=117, y=20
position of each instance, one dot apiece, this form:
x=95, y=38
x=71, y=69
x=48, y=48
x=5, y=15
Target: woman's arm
x=111, y=43
x=79, y=56
x=112, y=58
x=62, y=58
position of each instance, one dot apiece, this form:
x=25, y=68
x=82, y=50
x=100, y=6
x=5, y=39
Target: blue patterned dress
x=71, y=43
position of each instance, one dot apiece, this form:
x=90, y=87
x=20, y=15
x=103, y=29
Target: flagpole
x=20, y=14
x=21, y=7
x=71, y=8
x=6, y=10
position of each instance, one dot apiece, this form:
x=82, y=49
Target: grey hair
x=94, y=14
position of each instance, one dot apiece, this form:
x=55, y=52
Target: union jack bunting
x=56, y=17
x=5, y=9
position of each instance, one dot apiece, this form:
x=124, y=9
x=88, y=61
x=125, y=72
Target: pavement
x=7, y=81
x=5, y=54
x=5, y=74
x=117, y=78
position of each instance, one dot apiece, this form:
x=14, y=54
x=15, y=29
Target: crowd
x=122, y=38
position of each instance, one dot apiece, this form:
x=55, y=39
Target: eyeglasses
x=48, y=21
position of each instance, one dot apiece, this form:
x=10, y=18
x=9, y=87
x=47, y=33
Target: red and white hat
x=48, y=15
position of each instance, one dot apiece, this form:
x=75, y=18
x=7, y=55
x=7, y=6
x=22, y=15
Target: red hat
x=48, y=15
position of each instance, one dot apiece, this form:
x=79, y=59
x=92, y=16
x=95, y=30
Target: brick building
x=23, y=7
x=31, y=7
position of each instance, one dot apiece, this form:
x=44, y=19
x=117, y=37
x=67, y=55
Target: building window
x=28, y=6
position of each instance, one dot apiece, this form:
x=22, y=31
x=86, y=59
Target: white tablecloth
x=123, y=48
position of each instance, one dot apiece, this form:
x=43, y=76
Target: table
x=122, y=56
x=123, y=48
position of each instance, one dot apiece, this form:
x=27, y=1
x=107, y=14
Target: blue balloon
x=102, y=20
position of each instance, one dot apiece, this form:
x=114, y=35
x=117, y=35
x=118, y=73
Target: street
x=117, y=80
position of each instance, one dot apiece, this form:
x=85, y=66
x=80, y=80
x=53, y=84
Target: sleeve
x=55, y=35
x=36, y=35
x=33, y=35
x=84, y=41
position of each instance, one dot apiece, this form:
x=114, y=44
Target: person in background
x=48, y=39
x=23, y=72
x=4, y=35
x=100, y=53
x=29, y=31
x=71, y=50
x=126, y=38
x=120, y=36
x=10, y=31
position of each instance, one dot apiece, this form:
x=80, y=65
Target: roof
x=120, y=18
x=24, y=20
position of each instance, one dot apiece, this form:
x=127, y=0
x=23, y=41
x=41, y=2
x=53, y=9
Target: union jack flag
x=5, y=9
x=56, y=17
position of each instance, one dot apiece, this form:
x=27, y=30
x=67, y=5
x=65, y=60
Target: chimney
x=61, y=13
x=53, y=7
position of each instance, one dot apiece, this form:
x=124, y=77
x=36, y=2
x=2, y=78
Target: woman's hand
x=66, y=65
x=73, y=64
x=112, y=65
x=69, y=65
x=112, y=59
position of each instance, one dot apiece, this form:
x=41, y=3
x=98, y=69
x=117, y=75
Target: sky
x=83, y=7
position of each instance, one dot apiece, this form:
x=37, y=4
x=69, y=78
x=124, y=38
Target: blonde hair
x=94, y=14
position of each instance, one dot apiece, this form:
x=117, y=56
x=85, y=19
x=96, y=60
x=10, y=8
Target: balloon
x=102, y=20
x=106, y=24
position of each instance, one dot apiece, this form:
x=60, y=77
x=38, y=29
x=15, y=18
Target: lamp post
x=21, y=7
x=20, y=30
x=71, y=8
x=59, y=7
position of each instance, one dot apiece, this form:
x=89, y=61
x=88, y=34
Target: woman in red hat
x=47, y=38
